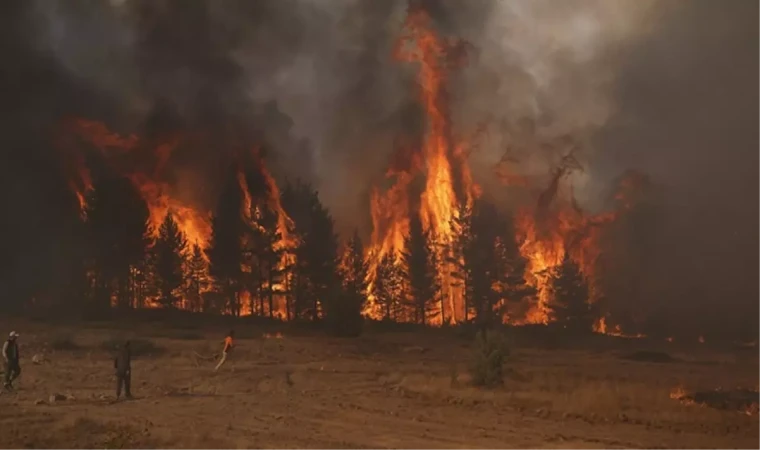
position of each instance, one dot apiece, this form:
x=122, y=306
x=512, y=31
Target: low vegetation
x=490, y=354
x=64, y=342
x=139, y=347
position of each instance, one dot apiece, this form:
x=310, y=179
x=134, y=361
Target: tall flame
x=440, y=160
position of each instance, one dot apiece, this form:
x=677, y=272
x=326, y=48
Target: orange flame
x=442, y=162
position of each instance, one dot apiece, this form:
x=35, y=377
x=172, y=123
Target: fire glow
x=545, y=230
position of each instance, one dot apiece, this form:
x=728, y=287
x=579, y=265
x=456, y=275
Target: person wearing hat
x=11, y=357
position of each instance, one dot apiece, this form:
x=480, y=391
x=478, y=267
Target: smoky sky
x=667, y=88
x=687, y=114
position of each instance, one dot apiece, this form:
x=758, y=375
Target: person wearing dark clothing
x=123, y=365
x=11, y=358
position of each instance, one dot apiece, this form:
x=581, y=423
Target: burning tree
x=169, y=251
x=570, y=307
x=225, y=252
x=264, y=256
x=421, y=271
x=117, y=220
x=344, y=309
x=438, y=253
x=197, y=281
x=388, y=287
x=314, y=277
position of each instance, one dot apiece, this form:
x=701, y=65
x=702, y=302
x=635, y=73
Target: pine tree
x=197, y=278
x=419, y=259
x=483, y=262
x=314, y=276
x=459, y=254
x=570, y=307
x=225, y=252
x=388, y=286
x=344, y=312
x=117, y=222
x=511, y=266
x=355, y=268
x=266, y=242
x=169, y=252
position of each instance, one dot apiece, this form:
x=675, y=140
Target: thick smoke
x=687, y=114
x=328, y=67
x=665, y=87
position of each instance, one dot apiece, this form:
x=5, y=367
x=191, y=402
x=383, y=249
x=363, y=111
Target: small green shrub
x=490, y=353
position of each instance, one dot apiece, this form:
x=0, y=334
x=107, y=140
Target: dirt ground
x=391, y=389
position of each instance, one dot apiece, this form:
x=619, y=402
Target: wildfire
x=545, y=231
x=156, y=193
x=431, y=180
x=284, y=227
x=440, y=160
x=679, y=393
x=127, y=156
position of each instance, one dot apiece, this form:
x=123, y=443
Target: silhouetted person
x=123, y=365
x=227, y=347
x=11, y=357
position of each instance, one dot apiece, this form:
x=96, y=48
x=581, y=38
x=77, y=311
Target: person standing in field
x=11, y=358
x=227, y=348
x=122, y=363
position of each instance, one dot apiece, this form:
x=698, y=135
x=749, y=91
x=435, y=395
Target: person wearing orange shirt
x=227, y=348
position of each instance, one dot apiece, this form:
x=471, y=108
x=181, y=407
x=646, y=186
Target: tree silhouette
x=315, y=272
x=388, y=286
x=266, y=254
x=197, y=278
x=117, y=218
x=482, y=261
x=420, y=262
x=511, y=266
x=225, y=251
x=460, y=254
x=169, y=251
x=344, y=311
x=569, y=306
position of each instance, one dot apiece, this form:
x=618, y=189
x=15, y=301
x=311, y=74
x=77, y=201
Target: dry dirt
x=406, y=390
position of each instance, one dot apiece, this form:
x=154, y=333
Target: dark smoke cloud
x=665, y=87
x=688, y=115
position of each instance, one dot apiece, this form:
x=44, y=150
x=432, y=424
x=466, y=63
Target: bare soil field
x=382, y=390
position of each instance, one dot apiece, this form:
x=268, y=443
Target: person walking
x=11, y=358
x=228, y=345
x=123, y=365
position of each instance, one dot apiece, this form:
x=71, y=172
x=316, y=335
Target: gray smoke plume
x=668, y=88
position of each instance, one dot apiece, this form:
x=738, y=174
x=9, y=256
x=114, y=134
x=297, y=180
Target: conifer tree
x=315, y=273
x=268, y=253
x=388, y=286
x=197, y=278
x=570, y=304
x=459, y=254
x=419, y=259
x=225, y=252
x=169, y=252
x=117, y=223
x=344, y=312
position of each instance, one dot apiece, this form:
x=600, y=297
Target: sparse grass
x=648, y=356
x=381, y=379
x=490, y=354
x=64, y=342
x=139, y=347
x=181, y=335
